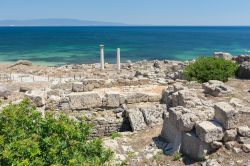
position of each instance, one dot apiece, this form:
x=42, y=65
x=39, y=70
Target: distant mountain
x=57, y=22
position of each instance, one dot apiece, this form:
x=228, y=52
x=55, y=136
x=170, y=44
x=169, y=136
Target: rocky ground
x=129, y=106
x=144, y=147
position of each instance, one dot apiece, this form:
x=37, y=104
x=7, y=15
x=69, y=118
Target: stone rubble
x=196, y=135
x=148, y=94
x=223, y=55
x=216, y=88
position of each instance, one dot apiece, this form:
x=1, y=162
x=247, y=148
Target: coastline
x=78, y=45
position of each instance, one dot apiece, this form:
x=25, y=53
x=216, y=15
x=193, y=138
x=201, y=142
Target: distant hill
x=57, y=22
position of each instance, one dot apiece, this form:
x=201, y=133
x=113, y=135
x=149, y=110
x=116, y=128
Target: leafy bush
x=177, y=156
x=28, y=139
x=209, y=68
x=115, y=135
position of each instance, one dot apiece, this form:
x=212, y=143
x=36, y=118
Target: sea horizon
x=59, y=45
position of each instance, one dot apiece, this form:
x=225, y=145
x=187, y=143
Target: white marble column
x=118, y=58
x=102, y=56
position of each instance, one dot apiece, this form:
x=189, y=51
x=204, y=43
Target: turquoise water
x=66, y=45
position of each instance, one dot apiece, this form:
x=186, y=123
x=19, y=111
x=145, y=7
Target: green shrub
x=209, y=68
x=115, y=135
x=177, y=156
x=28, y=139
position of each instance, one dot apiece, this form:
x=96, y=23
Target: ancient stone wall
x=196, y=127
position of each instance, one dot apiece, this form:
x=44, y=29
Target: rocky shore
x=157, y=111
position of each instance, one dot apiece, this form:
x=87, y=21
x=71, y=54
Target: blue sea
x=67, y=45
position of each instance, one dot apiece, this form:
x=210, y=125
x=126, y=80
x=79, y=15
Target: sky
x=134, y=12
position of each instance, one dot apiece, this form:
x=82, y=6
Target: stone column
x=102, y=56
x=118, y=58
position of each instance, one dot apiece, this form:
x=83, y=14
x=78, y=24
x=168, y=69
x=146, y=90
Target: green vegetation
x=177, y=156
x=209, y=68
x=28, y=139
x=115, y=135
x=158, y=156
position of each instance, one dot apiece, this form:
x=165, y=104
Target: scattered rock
x=157, y=64
x=209, y=131
x=216, y=144
x=242, y=58
x=118, y=110
x=223, y=55
x=178, y=86
x=216, y=88
x=243, y=140
x=193, y=147
x=136, y=119
x=236, y=150
x=244, y=70
x=187, y=122
x=236, y=102
x=4, y=92
x=152, y=115
x=185, y=98
x=24, y=89
x=212, y=162
x=37, y=97
x=230, y=145
x=230, y=135
x=244, y=131
x=246, y=148
x=226, y=115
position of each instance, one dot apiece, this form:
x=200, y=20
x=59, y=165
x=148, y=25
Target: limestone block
x=67, y=86
x=244, y=140
x=53, y=103
x=175, y=99
x=135, y=97
x=185, y=98
x=236, y=102
x=216, y=88
x=246, y=148
x=154, y=97
x=169, y=131
x=152, y=115
x=186, y=122
x=209, y=131
x=193, y=147
x=136, y=119
x=4, y=91
x=37, y=97
x=84, y=100
x=244, y=131
x=226, y=115
x=216, y=144
x=178, y=86
x=230, y=135
x=175, y=114
x=230, y=145
x=167, y=97
x=113, y=99
x=88, y=87
x=77, y=87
